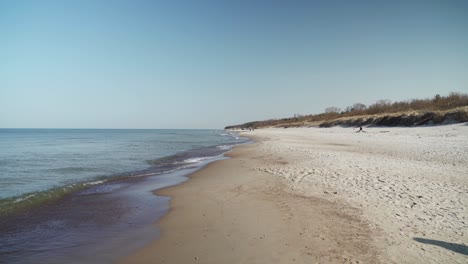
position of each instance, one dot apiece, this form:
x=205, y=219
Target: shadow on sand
x=459, y=248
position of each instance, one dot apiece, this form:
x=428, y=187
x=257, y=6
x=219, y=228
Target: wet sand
x=229, y=212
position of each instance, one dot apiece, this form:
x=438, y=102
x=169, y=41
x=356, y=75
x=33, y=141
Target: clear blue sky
x=207, y=64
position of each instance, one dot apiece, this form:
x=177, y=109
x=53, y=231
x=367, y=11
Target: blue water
x=34, y=160
x=86, y=195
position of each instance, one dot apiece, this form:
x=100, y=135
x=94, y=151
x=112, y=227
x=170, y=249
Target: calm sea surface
x=64, y=190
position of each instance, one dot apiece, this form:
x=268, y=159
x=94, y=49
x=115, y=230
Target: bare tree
x=383, y=102
x=358, y=107
x=332, y=109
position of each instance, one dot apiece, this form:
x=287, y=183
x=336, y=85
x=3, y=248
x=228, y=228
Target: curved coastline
x=69, y=227
x=328, y=195
x=230, y=213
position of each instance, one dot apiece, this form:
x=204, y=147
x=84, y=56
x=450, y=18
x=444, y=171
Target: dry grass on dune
x=451, y=108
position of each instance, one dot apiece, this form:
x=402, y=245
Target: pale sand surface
x=310, y=195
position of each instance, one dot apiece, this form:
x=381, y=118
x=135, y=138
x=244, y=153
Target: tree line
x=436, y=103
x=383, y=106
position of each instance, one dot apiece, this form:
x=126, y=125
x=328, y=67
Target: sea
x=88, y=195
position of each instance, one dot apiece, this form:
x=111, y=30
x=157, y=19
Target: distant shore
x=329, y=195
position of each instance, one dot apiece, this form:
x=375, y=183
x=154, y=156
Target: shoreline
x=85, y=225
x=307, y=195
x=241, y=216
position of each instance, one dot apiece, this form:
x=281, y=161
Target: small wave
x=231, y=134
x=134, y=175
x=23, y=198
x=224, y=147
x=94, y=182
x=103, y=188
x=197, y=159
x=30, y=200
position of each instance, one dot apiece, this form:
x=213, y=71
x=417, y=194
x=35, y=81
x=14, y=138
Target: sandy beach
x=310, y=195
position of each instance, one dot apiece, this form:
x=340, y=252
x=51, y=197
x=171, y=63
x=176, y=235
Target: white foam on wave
x=94, y=183
x=231, y=134
x=145, y=174
x=24, y=198
x=197, y=159
x=224, y=147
